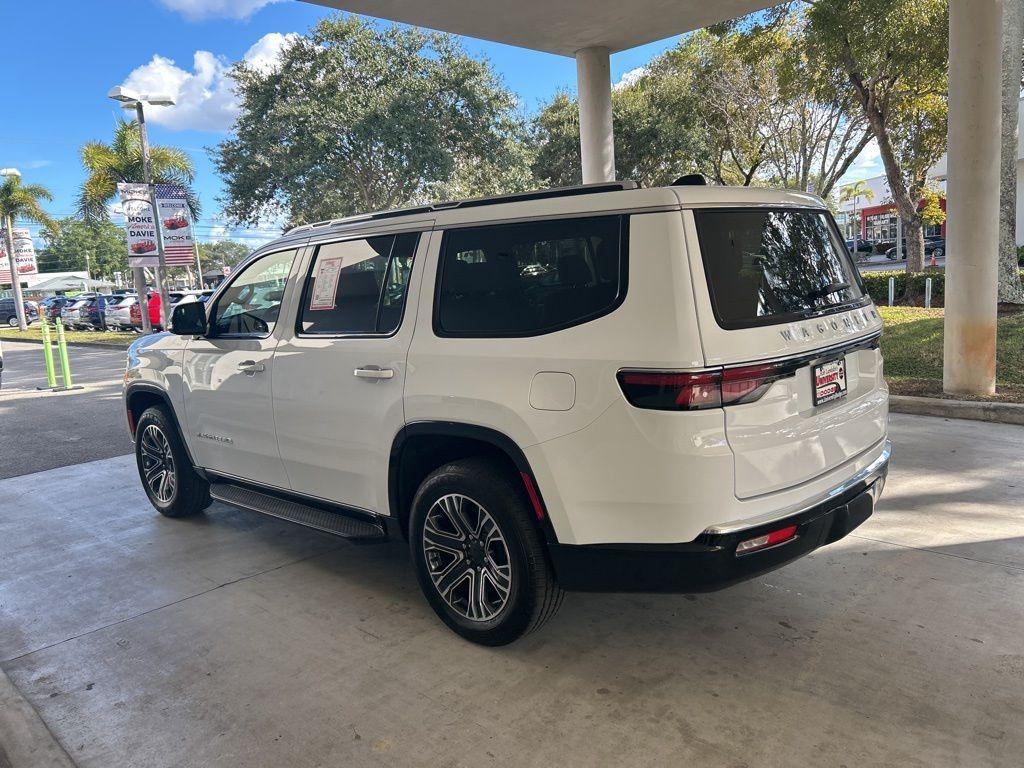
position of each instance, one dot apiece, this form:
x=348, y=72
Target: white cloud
x=867, y=165
x=204, y=9
x=264, y=53
x=205, y=96
x=630, y=77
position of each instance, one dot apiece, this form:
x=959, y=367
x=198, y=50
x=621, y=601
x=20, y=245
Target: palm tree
x=20, y=201
x=854, y=192
x=121, y=161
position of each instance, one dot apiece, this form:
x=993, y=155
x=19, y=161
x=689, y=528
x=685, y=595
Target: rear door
x=340, y=373
x=776, y=286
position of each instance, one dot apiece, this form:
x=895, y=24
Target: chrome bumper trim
x=873, y=471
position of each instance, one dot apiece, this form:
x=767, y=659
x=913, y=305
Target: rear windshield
x=768, y=266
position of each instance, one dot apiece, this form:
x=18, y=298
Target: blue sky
x=67, y=54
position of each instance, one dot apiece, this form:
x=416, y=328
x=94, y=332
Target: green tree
x=742, y=103
x=1010, y=288
x=20, y=201
x=221, y=253
x=71, y=244
x=656, y=135
x=896, y=68
x=121, y=161
x=354, y=118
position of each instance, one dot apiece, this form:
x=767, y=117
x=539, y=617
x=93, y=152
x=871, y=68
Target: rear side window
x=358, y=286
x=531, y=278
x=773, y=266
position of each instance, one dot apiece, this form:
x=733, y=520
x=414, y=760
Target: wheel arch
x=422, y=446
x=141, y=395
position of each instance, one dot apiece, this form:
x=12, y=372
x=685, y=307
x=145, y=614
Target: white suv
x=591, y=388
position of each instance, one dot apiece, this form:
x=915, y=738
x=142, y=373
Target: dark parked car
x=93, y=314
x=860, y=245
x=933, y=246
x=52, y=305
x=9, y=314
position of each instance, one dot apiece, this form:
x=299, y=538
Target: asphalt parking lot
x=879, y=263
x=238, y=640
x=42, y=429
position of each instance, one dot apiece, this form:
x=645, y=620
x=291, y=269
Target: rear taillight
x=690, y=391
x=671, y=391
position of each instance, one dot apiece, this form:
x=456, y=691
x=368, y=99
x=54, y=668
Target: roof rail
x=537, y=194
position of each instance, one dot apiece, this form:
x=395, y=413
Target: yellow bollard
x=51, y=377
x=62, y=353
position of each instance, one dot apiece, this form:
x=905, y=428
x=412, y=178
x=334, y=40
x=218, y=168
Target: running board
x=337, y=523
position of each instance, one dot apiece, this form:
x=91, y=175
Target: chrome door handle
x=373, y=372
x=251, y=367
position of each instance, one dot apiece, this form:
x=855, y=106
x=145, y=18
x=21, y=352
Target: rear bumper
x=709, y=562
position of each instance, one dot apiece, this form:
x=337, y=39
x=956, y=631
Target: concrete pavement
x=41, y=429
x=238, y=640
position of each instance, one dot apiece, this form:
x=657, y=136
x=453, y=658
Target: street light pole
x=147, y=175
x=131, y=100
x=19, y=303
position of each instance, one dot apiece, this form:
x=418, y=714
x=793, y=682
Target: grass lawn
x=35, y=333
x=912, y=345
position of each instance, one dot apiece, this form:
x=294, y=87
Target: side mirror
x=189, y=319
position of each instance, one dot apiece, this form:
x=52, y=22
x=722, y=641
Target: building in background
x=875, y=218
x=44, y=282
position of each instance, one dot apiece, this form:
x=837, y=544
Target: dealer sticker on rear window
x=829, y=381
x=325, y=286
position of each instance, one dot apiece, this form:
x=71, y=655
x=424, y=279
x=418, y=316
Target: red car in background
x=143, y=246
x=153, y=300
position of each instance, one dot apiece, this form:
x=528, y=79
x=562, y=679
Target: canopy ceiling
x=557, y=26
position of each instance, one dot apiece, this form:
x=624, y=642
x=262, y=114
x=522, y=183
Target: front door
x=338, y=381
x=228, y=375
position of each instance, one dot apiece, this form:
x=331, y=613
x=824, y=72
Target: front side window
x=773, y=266
x=358, y=287
x=250, y=305
x=530, y=278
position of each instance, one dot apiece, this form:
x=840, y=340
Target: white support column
x=597, y=141
x=972, y=252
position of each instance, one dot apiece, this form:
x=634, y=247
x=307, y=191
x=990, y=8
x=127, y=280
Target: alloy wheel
x=467, y=557
x=158, y=463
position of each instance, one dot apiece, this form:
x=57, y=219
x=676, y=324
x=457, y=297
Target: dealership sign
x=176, y=225
x=139, y=225
x=24, y=254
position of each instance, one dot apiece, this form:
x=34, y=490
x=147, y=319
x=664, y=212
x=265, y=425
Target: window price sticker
x=325, y=286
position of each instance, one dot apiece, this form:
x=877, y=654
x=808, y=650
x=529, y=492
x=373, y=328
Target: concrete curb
x=1003, y=413
x=77, y=344
x=25, y=741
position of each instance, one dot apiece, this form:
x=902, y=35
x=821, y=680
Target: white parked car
x=118, y=312
x=178, y=297
x=70, y=314
x=592, y=388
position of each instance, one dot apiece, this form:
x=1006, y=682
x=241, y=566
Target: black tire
x=156, y=434
x=533, y=595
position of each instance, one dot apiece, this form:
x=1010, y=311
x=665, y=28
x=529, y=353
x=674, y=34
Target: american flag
x=176, y=225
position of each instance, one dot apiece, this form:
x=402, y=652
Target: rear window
x=773, y=266
x=530, y=278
